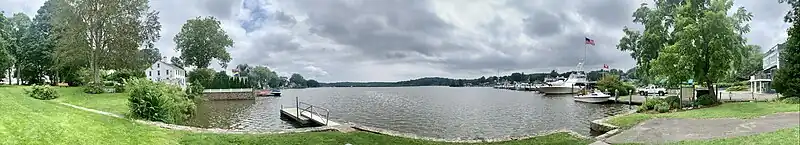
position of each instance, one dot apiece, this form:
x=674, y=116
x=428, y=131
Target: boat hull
x=592, y=99
x=559, y=90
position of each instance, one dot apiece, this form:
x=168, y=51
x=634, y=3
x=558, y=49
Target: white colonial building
x=168, y=73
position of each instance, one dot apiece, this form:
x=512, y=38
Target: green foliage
x=122, y=75
x=201, y=40
x=42, y=92
x=119, y=87
x=787, y=79
x=298, y=80
x=156, y=101
x=662, y=107
x=791, y=100
x=707, y=43
x=737, y=88
x=706, y=100
x=223, y=81
x=673, y=101
x=203, y=76
x=94, y=88
x=612, y=83
x=650, y=104
x=263, y=77
x=313, y=83
x=195, y=90
x=111, y=40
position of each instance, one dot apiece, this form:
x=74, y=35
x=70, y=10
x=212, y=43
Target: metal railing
x=227, y=90
x=302, y=106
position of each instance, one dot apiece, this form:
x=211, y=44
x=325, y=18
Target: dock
x=307, y=115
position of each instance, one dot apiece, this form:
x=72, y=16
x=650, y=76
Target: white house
x=761, y=82
x=166, y=72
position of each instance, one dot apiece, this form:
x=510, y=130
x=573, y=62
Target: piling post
x=730, y=96
x=297, y=104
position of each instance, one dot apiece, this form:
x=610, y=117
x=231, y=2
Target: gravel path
x=665, y=130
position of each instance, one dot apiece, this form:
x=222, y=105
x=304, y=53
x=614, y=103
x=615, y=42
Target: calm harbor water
x=441, y=112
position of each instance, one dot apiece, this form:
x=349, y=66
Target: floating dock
x=307, y=115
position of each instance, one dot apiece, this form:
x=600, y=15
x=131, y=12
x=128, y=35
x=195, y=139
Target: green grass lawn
x=29, y=121
x=787, y=136
x=727, y=110
x=116, y=103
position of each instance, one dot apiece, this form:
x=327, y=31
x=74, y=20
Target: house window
x=158, y=65
x=150, y=73
x=167, y=72
x=158, y=72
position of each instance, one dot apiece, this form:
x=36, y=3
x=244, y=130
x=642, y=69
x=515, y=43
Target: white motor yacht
x=594, y=97
x=569, y=86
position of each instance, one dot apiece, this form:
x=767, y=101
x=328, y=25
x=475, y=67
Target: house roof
x=169, y=64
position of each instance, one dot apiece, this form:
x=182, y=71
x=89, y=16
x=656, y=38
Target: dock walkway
x=307, y=114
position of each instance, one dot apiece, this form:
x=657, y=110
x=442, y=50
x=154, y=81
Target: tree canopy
x=787, y=79
x=108, y=31
x=201, y=40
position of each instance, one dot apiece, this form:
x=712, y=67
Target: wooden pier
x=307, y=115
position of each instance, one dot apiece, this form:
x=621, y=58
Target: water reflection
x=441, y=112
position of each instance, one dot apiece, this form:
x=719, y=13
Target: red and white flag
x=589, y=41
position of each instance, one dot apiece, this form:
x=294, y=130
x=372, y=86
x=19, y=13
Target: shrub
x=195, y=90
x=674, y=102
x=662, y=107
x=122, y=75
x=737, y=88
x=42, y=92
x=705, y=100
x=94, y=88
x=119, y=87
x=650, y=104
x=791, y=100
x=612, y=83
x=158, y=101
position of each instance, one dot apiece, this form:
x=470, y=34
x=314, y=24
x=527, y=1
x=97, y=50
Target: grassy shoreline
x=31, y=121
x=742, y=110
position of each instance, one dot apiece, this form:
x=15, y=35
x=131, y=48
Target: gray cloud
x=389, y=40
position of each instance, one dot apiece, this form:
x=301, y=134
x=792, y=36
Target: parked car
x=652, y=89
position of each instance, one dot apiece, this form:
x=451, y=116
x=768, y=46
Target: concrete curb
x=610, y=130
x=477, y=140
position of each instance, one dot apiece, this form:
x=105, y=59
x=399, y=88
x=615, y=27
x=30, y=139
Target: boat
x=275, y=92
x=594, y=97
x=573, y=84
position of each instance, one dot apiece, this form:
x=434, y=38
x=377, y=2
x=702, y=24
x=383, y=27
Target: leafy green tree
x=261, y=77
x=201, y=40
x=148, y=57
x=6, y=57
x=176, y=61
x=221, y=81
x=787, y=79
x=107, y=31
x=40, y=57
x=312, y=83
x=204, y=76
x=706, y=44
x=20, y=40
x=298, y=80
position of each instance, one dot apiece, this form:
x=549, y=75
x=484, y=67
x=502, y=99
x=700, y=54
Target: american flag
x=589, y=41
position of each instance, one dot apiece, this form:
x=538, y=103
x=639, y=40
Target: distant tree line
x=518, y=77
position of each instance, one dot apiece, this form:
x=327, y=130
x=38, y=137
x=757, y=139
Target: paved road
x=665, y=130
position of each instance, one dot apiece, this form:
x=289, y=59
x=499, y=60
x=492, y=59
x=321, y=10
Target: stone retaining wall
x=248, y=95
x=610, y=130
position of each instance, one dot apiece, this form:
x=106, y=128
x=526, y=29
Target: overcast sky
x=391, y=40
